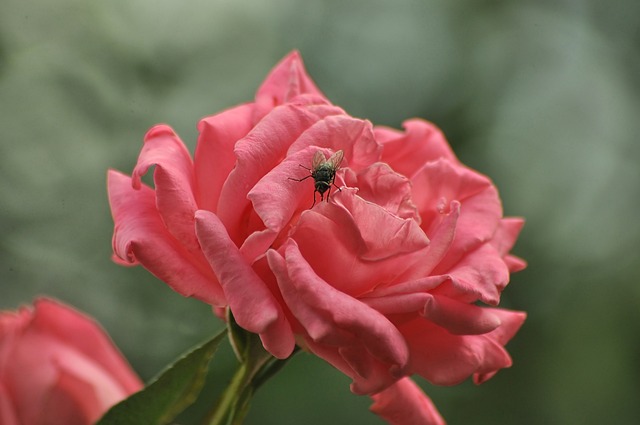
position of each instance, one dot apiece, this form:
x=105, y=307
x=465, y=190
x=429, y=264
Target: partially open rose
x=58, y=367
x=382, y=280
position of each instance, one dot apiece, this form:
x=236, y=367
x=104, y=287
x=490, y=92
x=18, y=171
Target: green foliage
x=167, y=395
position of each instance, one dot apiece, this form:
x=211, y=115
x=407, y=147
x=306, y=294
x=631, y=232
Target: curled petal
x=331, y=317
x=275, y=199
x=258, y=153
x=174, y=182
x=214, y=158
x=356, y=245
x=515, y=264
x=404, y=403
x=140, y=236
x=342, y=132
x=442, y=237
x=481, y=275
x=253, y=306
x=511, y=321
x=380, y=185
x=447, y=359
x=407, y=152
x=439, y=183
x=460, y=318
x=385, y=235
x=457, y=317
x=369, y=375
x=419, y=285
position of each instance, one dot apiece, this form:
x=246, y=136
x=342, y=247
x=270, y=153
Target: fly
x=323, y=172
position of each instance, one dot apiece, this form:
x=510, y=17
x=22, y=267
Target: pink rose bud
x=58, y=367
x=383, y=277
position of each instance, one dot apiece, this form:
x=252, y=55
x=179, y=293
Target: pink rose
x=58, y=366
x=382, y=280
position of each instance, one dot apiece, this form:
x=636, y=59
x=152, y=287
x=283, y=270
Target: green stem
x=233, y=404
x=256, y=366
x=222, y=414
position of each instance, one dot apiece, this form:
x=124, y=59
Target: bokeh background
x=543, y=96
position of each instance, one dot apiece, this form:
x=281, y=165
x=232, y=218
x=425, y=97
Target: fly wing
x=336, y=159
x=318, y=158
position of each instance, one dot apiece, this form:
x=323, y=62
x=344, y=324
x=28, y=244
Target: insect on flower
x=323, y=172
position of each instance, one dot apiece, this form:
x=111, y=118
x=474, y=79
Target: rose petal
x=504, y=239
x=70, y=401
x=83, y=389
x=457, y=317
x=257, y=154
x=357, y=245
x=404, y=403
x=275, y=199
x=423, y=284
x=8, y=416
x=331, y=317
x=369, y=374
x=76, y=330
x=253, y=306
x=441, y=239
x=59, y=366
x=439, y=183
x=379, y=184
x=407, y=152
x=506, y=234
x=481, y=275
x=511, y=323
x=140, y=236
x=447, y=359
x=385, y=235
x=460, y=318
x=399, y=303
x=214, y=158
x=257, y=244
x=342, y=132
x=515, y=264
x=174, y=182
x=287, y=80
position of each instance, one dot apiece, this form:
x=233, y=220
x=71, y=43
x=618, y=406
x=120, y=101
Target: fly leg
x=329, y=192
x=299, y=180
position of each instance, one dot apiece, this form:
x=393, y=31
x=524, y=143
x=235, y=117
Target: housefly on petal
x=323, y=172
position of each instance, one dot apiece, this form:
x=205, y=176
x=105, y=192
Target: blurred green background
x=543, y=96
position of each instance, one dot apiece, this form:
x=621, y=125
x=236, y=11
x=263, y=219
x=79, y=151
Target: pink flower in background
x=58, y=367
x=382, y=281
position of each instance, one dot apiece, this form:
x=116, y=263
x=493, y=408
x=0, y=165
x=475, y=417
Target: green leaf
x=169, y=393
